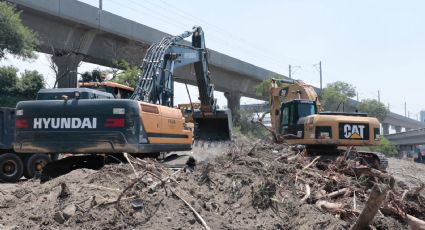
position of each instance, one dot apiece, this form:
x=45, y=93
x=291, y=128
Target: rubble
x=262, y=185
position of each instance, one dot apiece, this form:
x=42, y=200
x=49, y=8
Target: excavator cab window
x=306, y=109
x=294, y=110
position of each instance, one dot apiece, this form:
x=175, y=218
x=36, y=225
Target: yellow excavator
x=296, y=114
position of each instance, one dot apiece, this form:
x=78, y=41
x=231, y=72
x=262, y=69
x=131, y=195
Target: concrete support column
x=67, y=65
x=234, y=103
x=385, y=128
x=398, y=129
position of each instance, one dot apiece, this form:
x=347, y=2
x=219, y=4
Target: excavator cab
x=293, y=114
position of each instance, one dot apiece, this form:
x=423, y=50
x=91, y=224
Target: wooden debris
x=307, y=193
x=311, y=163
x=100, y=187
x=337, y=193
x=64, y=193
x=153, y=187
x=198, y=216
x=129, y=162
x=330, y=207
x=377, y=195
x=415, y=223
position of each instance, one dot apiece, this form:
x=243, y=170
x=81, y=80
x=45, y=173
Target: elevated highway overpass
x=74, y=31
x=409, y=140
x=412, y=137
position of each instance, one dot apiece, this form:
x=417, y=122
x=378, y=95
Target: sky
x=374, y=45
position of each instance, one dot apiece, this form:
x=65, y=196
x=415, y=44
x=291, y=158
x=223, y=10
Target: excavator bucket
x=216, y=127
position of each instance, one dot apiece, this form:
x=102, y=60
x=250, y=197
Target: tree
x=335, y=94
x=128, y=76
x=249, y=127
x=263, y=89
x=386, y=147
x=374, y=108
x=30, y=83
x=14, y=89
x=15, y=38
x=93, y=76
x=8, y=79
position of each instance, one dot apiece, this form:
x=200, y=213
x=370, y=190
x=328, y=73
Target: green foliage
x=248, y=127
x=374, y=108
x=334, y=94
x=386, y=147
x=262, y=89
x=8, y=79
x=93, y=76
x=15, y=38
x=129, y=76
x=14, y=89
x=9, y=101
x=30, y=83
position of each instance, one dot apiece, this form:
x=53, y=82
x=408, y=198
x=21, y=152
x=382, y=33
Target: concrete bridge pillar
x=67, y=65
x=398, y=129
x=234, y=103
x=385, y=128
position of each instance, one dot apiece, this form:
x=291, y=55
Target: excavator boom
x=156, y=82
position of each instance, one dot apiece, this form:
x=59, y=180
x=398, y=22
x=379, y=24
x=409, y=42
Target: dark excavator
x=102, y=119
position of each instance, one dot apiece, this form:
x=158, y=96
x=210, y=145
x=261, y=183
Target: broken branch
x=307, y=193
x=377, y=195
x=193, y=210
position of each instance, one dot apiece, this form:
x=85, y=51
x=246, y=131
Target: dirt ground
x=242, y=185
x=411, y=173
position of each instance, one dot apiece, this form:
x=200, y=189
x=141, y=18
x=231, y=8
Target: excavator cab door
x=293, y=114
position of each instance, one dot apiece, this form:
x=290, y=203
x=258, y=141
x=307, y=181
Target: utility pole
x=100, y=4
x=357, y=96
x=379, y=96
x=388, y=106
x=405, y=109
x=290, y=71
x=320, y=71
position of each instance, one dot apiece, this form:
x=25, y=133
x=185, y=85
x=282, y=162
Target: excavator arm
x=156, y=82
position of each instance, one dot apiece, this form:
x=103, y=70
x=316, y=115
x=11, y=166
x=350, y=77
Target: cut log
x=330, y=207
x=377, y=195
x=415, y=223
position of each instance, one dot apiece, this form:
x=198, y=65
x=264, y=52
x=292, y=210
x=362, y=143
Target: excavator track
x=375, y=160
x=380, y=157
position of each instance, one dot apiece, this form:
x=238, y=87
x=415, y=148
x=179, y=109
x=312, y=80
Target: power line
x=148, y=12
x=188, y=15
x=218, y=39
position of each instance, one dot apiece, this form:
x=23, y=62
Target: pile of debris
x=263, y=186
